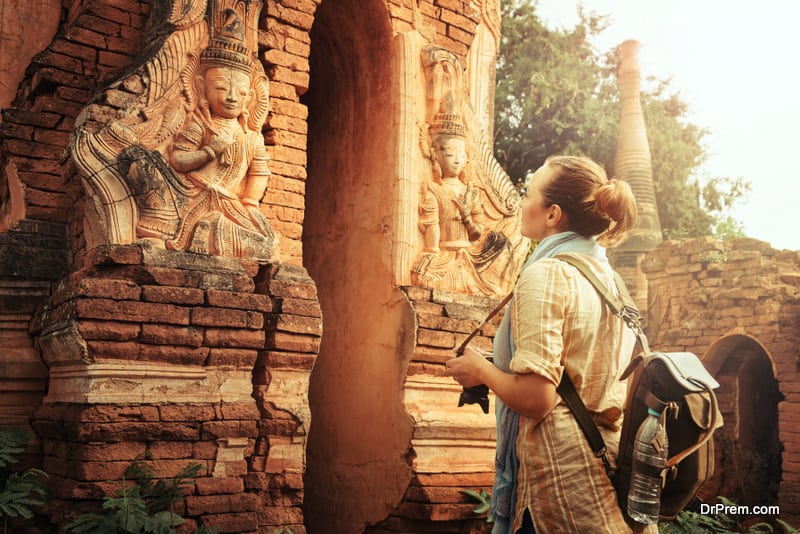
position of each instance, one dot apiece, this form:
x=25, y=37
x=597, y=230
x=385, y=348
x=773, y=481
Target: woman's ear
x=556, y=217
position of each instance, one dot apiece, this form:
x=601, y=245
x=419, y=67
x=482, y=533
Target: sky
x=736, y=63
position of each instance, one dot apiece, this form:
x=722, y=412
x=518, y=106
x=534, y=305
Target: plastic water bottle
x=649, y=457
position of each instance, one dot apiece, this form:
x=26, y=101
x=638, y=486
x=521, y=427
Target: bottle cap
x=653, y=412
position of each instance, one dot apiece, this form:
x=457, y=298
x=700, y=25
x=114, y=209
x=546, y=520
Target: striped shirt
x=559, y=323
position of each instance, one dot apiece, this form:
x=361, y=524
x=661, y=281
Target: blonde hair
x=593, y=204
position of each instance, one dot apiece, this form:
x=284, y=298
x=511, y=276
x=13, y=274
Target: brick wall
x=737, y=304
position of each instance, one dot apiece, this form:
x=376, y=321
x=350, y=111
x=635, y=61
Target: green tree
x=556, y=94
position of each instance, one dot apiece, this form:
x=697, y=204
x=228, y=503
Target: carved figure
x=469, y=208
x=223, y=161
x=451, y=215
x=187, y=169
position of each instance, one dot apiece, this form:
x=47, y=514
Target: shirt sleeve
x=537, y=320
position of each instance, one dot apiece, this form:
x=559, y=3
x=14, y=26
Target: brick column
x=154, y=352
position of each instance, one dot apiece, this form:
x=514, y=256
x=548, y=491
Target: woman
x=547, y=476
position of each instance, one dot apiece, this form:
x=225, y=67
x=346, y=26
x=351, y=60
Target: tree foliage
x=556, y=94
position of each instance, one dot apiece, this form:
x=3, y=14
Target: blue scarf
x=504, y=493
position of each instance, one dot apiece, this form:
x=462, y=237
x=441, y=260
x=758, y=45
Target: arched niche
x=357, y=468
x=748, y=450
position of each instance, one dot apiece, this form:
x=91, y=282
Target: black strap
x=571, y=398
x=623, y=307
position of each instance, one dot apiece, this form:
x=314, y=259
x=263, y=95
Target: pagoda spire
x=633, y=165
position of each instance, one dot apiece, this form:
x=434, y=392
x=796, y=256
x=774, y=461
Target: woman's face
x=227, y=91
x=452, y=153
x=537, y=217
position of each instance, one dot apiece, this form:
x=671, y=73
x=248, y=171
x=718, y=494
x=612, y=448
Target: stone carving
x=186, y=166
x=468, y=208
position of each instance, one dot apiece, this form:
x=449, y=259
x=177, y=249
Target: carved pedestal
x=185, y=358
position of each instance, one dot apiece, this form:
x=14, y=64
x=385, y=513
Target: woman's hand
x=468, y=369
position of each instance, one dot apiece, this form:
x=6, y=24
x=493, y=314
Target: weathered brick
x=238, y=299
x=183, y=412
x=108, y=330
x=227, y=317
x=239, y=358
x=284, y=341
x=173, y=295
x=170, y=450
x=171, y=335
x=219, y=486
x=298, y=324
x=297, y=306
x=132, y=311
x=109, y=288
x=233, y=522
x=435, y=338
x=234, y=337
x=229, y=429
x=287, y=288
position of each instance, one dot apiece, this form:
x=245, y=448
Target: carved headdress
x=227, y=49
x=447, y=122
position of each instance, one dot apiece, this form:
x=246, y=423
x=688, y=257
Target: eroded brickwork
x=737, y=304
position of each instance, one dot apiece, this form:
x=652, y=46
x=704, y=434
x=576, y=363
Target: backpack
x=673, y=383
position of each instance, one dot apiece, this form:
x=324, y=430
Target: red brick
x=109, y=288
x=290, y=360
x=227, y=318
x=238, y=299
x=132, y=311
x=116, y=255
x=302, y=307
x=284, y=341
x=85, y=53
x=237, y=522
x=28, y=148
x=289, y=288
x=298, y=324
x=108, y=330
x=33, y=118
x=112, y=14
x=170, y=449
x=435, y=338
x=185, y=412
x=282, y=515
x=210, y=504
x=172, y=295
x=126, y=451
x=219, y=486
x=239, y=358
x=59, y=61
x=171, y=335
x=229, y=429
x=236, y=338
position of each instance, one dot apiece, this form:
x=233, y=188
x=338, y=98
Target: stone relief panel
x=184, y=165
x=468, y=208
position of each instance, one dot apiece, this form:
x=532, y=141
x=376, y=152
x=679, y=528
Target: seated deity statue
x=450, y=217
x=221, y=162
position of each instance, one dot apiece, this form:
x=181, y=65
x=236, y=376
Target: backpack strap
x=571, y=398
x=622, y=306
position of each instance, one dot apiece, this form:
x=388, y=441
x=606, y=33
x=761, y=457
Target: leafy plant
x=147, y=506
x=20, y=491
x=484, y=500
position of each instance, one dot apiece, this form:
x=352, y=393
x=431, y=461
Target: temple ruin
x=280, y=311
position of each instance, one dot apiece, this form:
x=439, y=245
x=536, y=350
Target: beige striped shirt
x=559, y=322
